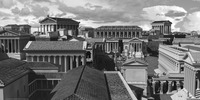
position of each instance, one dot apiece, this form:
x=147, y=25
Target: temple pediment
x=48, y=20
x=188, y=58
x=135, y=40
x=7, y=33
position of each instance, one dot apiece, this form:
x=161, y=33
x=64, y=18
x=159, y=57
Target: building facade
x=117, y=32
x=131, y=47
x=52, y=24
x=164, y=27
x=67, y=54
x=192, y=75
x=13, y=42
x=21, y=28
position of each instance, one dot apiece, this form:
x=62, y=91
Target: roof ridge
x=79, y=79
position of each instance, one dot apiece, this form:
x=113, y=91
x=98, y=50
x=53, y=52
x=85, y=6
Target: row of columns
x=111, y=46
x=53, y=27
x=163, y=28
x=135, y=47
x=67, y=62
x=10, y=45
x=118, y=34
x=190, y=80
x=163, y=87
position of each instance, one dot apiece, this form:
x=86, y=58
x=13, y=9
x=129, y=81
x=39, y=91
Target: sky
x=184, y=14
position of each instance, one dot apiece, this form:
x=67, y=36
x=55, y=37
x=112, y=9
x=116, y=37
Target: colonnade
x=163, y=28
x=10, y=45
x=111, y=46
x=114, y=34
x=67, y=62
x=192, y=80
x=163, y=87
x=53, y=27
x=135, y=47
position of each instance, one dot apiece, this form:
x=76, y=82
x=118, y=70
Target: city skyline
x=184, y=14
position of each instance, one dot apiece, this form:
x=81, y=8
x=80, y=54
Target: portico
x=52, y=24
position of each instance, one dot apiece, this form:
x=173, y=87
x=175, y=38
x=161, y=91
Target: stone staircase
x=197, y=94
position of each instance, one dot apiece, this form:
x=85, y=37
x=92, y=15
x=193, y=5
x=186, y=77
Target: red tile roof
x=82, y=83
x=54, y=45
x=11, y=69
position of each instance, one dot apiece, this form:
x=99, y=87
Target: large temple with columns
x=117, y=32
x=67, y=54
x=163, y=27
x=52, y=24
x=12, y=42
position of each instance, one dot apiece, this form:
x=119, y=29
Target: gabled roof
x=135, y=62
x=77, y=38
x=63, y=20
x=82, y=83
x=162, y=21
x=13, y=33
x=53, y=45
x=135, y=39
x=11, y=69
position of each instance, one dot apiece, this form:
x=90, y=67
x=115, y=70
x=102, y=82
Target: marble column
x=65, y=66
x=169, y=86
x=198, y=82
x=8, y=45
x=38, y=58
x=60, y=60
x=71, y=62
x=43, y=58
x=154, y=87
x=54, y=59
x=18, y=46
x=161, y=87
x=49, y=58
x=82, y=60
x=77, y=61
x=32, y=58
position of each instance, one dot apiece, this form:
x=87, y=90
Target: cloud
x=6, y=3
x=193, y=22
x=173, y=13
x=22, y=12
x=39, y=11
x=97, y=13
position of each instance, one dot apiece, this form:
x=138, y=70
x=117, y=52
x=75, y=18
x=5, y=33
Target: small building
x=134, y=71
x=164, y=27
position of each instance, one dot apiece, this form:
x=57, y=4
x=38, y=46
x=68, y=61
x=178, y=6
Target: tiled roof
x=119, y=27
x=41, y=65
x=53, y=45
x=82, y=83
x=62, y=20
x=162, y=21
x=116, y=87
x=135, y=62
x=3, y=56
x=11, y=69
